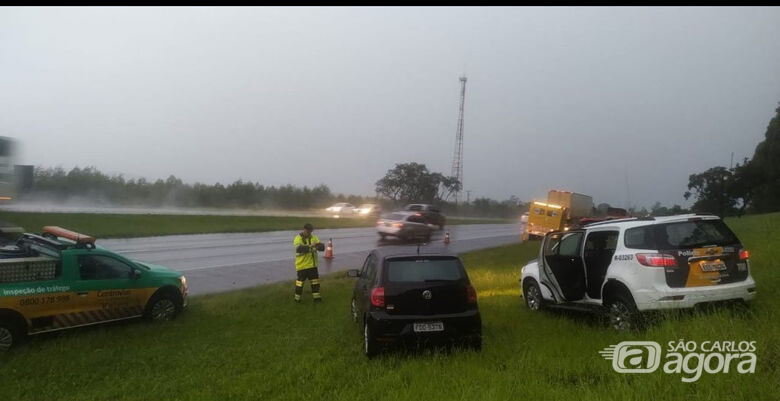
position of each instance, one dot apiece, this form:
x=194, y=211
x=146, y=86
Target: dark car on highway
x=431, y=213
x=405, y=226
x=414, y=294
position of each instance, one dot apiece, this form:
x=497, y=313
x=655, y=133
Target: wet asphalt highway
x=222, y=262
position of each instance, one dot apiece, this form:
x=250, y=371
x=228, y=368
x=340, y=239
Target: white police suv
x=627, y=266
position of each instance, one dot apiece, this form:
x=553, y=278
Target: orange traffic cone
x=329, y=249
x=447, y=238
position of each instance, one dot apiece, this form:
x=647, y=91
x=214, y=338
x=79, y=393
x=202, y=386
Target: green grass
x=258, y=344
x=142, y=225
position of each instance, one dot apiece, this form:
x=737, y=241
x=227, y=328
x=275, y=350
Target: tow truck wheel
x=9, y=336
x=532, y=295
x=163, y=306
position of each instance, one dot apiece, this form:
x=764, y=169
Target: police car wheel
x=622, y=314
x=9, y=336
x=532, y=295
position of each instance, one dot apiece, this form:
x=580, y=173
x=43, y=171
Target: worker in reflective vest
x=306, y=246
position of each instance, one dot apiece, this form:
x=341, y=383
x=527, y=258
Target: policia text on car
x=306, y=246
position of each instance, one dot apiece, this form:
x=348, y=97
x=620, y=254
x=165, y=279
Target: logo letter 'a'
x=634, y=356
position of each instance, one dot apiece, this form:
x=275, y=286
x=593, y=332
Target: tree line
x=752, y=186
x=89, y=185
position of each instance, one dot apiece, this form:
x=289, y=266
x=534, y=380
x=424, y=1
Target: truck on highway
x=561, y=211
x=60, y=280
x=7, y=172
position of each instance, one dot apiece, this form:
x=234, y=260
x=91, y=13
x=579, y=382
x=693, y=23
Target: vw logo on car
x=427, y=294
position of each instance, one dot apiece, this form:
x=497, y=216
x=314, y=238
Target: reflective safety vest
x=308, y=258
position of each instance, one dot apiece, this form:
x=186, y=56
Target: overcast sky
x=584, y=99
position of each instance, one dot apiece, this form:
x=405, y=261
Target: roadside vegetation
x=142, y=225
x=258, y=344
x=752, y=186
x=89, y=186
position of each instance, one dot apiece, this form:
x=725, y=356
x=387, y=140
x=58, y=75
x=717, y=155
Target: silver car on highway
x=404, y=226
x=341, y=210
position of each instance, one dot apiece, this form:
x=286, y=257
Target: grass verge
x=258, y=344
x=143, y=225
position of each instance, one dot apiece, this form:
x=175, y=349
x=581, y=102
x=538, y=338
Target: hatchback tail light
x=744, y=254
x=656, y=260
x=398, y=224
x=378, y=297
x=471, y=294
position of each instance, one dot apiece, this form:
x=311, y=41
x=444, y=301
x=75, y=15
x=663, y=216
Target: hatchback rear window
x=421, y=270
x=396, y=216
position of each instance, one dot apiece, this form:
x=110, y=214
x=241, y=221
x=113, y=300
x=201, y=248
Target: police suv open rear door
x=561, y=268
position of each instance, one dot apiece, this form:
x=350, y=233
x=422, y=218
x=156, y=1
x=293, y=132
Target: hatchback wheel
x=532, y=295
x=370, y=347
x=353, y=310
x=476, y=343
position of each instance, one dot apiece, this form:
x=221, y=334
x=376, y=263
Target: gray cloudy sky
x=575, y=99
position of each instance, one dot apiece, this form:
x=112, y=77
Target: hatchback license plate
x=428, y=327
x=713, y=266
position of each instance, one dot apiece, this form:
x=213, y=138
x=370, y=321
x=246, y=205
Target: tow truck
x=61, y=279
x=561, y=211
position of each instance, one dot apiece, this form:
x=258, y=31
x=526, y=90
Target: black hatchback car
x=414, y=294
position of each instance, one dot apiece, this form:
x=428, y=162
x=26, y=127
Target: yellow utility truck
x=561, y=211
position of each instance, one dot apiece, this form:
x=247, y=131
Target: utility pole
x=468, y=196
x=457, y=159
